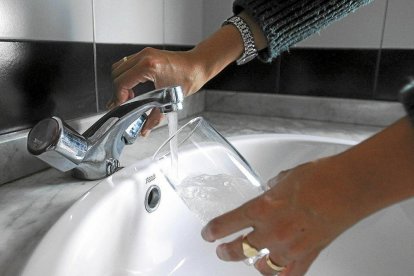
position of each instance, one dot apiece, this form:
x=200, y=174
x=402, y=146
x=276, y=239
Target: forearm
x=225, y=46
x=217, y=51
x=380, y=170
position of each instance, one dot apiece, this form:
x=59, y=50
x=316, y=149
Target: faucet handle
x=57, y=144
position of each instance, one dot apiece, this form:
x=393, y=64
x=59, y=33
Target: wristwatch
x=250, y=51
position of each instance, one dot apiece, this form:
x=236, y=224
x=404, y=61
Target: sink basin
x=133, y=223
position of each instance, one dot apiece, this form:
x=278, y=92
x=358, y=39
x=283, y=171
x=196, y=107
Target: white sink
x=110, y=232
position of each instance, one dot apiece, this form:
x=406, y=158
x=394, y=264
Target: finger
x=124, y=65
x=234, y=250
x=265, y=269
x=123, y=61
x=153, y=120
x=227, y=224
x=231, y=251
x=139, y=73
x=128, y=80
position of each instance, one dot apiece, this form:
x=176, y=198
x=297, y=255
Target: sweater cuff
x=407, y=99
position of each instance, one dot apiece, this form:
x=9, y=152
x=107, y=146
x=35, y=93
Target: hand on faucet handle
x=163, y=68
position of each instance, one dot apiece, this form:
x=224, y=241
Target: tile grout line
x=378, y=63
x=94, y=56
x=163, y=24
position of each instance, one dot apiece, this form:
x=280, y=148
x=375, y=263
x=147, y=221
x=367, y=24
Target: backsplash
x=39, y=79
x=55, y=56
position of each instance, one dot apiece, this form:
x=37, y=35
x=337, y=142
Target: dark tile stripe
x=42, y=79
x=340, y=73
x=39, y=79
x=254, y=76
x=337, y=73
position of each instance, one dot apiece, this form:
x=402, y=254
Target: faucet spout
x=131, y=114
x=95, y=154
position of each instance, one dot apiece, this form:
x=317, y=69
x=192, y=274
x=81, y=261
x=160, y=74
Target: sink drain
x=152, y=198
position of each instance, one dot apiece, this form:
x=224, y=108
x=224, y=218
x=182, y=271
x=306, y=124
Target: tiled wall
x=56, y=55
x=46, y=61
x=367, y=55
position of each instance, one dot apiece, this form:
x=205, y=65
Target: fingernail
x=205, y=233
x=222, y=252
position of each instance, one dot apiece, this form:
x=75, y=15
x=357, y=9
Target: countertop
x=31, y=205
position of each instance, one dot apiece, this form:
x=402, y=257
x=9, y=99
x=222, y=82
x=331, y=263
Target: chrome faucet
x=95, y=154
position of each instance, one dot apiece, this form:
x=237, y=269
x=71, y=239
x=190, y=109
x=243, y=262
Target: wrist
x=218, y=51
x=380, y=169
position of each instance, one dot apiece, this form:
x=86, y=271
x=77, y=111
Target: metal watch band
x=250, y=51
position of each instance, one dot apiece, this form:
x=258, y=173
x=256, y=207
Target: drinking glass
x=206, y=171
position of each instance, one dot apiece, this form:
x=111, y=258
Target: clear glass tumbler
x=206, y=171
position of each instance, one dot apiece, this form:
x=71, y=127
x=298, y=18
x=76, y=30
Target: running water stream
x=172, y=129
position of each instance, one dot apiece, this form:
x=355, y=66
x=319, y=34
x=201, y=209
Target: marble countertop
x=31, y=205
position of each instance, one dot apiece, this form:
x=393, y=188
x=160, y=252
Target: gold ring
x=125, y=59
x=248, y=250
x=272, y=265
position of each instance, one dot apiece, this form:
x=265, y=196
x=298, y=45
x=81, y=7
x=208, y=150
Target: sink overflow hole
x=152, y=198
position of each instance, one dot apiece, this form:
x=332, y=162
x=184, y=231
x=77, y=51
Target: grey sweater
x=286, y=22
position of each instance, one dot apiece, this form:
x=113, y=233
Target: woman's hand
x=189, y=69
x=163, y=68
x=306, y=208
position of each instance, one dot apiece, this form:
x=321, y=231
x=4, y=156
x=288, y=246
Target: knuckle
x=149, y=62
x=148, y=50
x=150, y=57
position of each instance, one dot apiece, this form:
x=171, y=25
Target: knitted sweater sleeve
x=286, y=22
